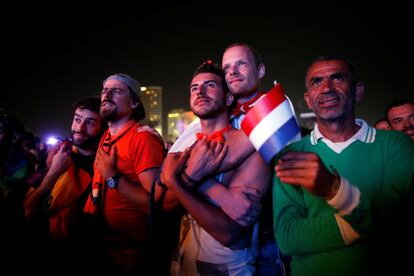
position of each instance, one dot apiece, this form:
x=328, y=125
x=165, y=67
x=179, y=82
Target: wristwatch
x=113, y=181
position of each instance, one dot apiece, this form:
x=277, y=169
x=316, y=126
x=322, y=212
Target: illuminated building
x=151, y=97
x=178, y=120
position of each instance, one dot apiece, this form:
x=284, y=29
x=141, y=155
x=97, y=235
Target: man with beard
x=67, y=183
x=400, y=116
x=211, y=242
x=243, y=69
x=127, y=162
x=343, y=194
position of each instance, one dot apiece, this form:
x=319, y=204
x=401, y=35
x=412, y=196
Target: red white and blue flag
x=271, y=124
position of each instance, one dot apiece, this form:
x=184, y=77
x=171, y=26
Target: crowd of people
x=113, y=200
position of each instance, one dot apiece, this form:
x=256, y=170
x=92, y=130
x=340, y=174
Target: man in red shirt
x=127, y=162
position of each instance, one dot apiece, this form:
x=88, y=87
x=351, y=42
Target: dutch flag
x=271, y=124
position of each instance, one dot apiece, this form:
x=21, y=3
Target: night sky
x=55, y=55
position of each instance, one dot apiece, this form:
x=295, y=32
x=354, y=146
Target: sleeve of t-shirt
x=187, y=138
x=147, y=151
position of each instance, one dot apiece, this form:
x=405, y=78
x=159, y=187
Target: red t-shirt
x=138, y=149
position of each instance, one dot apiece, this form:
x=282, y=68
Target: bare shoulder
x=253, y=172
x=236, y=134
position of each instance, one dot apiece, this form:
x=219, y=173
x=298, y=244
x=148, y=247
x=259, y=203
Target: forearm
x=298, y=232
x=242, y=203
x=135, y=194
x=239, y=149
x=214, y=190
x=308, y=235
x=36, y=197
x=166, y=197
x=211, y=218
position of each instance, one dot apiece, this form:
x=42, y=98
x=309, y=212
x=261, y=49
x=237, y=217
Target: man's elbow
x=285, y=243
x=228, y=239
x=285, y=247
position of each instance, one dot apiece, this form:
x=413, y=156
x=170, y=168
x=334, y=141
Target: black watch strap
x=112, y=182
x=117, y=176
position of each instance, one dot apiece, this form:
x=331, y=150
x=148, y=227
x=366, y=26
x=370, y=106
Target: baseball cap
x=126, y=79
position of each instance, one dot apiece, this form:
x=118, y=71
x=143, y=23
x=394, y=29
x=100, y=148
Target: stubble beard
x=108, y=114
x=89, y=143
x=242, y=91
x=207, y=113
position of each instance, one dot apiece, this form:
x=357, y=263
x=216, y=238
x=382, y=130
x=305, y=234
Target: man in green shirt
x=342, y=194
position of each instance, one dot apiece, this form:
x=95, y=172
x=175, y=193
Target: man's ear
x=359, y=91
x=306, y=97
x=261, y=70
x=134, y=104
x=229, y=99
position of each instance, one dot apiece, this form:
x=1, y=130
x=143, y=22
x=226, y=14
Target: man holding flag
x=244, y=69
x=211, y=243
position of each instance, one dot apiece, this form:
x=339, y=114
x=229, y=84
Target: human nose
x=233, y=70
x=326, y=86
x=80, y=126
x=408, y=124
x=107, y=93
x=201, y=90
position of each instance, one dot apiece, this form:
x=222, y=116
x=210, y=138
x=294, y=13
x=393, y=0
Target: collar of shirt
x=245, y=107
x=365, y=134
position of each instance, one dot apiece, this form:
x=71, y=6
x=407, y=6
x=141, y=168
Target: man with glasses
x=127, y=162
